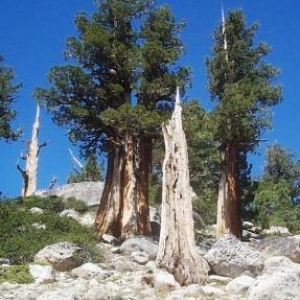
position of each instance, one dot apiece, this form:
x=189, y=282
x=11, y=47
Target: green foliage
x=15, y=274
x=275, y=201
x=78, y=205
x=242, y=83
x=125, y=54
x=92, y=171
x=155, y=189
x=134, y=119
x=8, y=92
x=203, y=159
x=281, y=164
x=53, y=204
x=273, y=206
x=20, y=241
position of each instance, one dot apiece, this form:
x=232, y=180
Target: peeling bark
x=177, y=250
x=123, y=209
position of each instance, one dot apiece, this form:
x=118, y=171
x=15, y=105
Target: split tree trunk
x=177, y=250
x=124, y=209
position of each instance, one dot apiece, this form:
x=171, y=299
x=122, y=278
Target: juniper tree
x=241, y=84
x=123, y=65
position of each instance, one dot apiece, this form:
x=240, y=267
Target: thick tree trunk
x=123, y=209
x=108, y=217
x=177, y=251
x=228, y=215
x=233, y=219
x=142, y=166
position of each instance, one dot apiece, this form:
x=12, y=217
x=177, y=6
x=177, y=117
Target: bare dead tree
x=29, y=173
x=177, y=250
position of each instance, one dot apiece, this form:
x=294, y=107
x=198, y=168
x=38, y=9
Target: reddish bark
x=123, y=209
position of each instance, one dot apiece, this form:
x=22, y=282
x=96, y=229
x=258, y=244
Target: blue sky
x=33, y=35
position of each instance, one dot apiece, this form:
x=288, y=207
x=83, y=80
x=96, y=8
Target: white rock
x=213, y=291
x=88, y=192
x=36, y=210
x=247, y=225
x=230, y=257
x=62, y=256
x=164, y=281
x=42, y=273
x=139, y=257
x=278, y=246
x=280, y=280
x=109, y=239
x=39, y=226
x=276, y=230
x=140, y=244
x=57, y=295
x=218, y=279
x=239, y=285
x=70, y=213
x=88, y=271
x=87, y=219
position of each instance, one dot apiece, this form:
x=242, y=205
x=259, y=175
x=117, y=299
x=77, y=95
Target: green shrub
x=273, y=205
x=20, y=241
x=15, y=274
x=54, y=204
x=78, y=205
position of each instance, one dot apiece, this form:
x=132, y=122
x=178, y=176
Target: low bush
x=15, y=274
x=72, y=203
x=20, y=240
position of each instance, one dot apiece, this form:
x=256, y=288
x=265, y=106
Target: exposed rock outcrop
x=278, y=246
x=88, y=192
x=62, y=256
x=280, y=280
x=232, y=258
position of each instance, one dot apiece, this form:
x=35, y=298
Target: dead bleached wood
x=177, y=250
x=29, y=173
x=76, y=162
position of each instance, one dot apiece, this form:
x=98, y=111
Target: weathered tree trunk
x=29, y=174
x=228, y=215
x=222, y=195
x=177, y=251
x=123, y=209
x=142, y=170
x=108, y=215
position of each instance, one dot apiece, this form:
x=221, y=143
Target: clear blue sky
x=33, y=35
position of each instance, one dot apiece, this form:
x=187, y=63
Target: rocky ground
x=238, y=271
x=259, y=269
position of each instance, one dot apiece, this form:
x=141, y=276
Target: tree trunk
x=123, y=209
x=222, y=195
x=233, y=219
x=108, y=215
x=142, y=170
x=29, y=174
x=177, y=251
x=228, y=215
